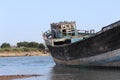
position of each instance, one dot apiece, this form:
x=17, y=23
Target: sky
x=26, y=20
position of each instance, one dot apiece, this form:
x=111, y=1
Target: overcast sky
x=25, y=20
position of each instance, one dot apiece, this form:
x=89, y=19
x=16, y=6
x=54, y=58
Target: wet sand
x=10, y=77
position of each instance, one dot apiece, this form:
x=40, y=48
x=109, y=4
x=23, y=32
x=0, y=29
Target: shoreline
x=10, y=77
x=18, y=54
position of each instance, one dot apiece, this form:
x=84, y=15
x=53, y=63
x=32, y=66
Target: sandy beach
x=11, y=54
x=10, y=77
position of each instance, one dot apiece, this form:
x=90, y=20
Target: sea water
x=45, y=66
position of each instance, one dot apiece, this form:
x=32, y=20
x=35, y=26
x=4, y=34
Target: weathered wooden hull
x=111, y=58
x=103, y=49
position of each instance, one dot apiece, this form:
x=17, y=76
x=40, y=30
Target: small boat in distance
x=69, y=46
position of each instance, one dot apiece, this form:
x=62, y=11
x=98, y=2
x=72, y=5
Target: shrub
x=41, y=46
x=33, y=45
x=5, y=45
x=22, y=44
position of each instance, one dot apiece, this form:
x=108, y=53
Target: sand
x=11, y=54
x=10, y=77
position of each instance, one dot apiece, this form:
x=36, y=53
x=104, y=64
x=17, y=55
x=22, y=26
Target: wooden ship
x=69, y=46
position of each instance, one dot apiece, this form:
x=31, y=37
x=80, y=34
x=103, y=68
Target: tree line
x=24, y=44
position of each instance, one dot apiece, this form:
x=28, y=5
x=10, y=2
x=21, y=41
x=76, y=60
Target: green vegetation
x=22, y=44
x=33, y=45
x=41, y=46
x=5, y=45
x=22, y=47
x=30, y=45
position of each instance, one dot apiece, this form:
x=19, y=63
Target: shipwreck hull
x=111, y=58
x=103, y=49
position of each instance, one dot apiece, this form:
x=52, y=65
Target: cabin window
x=73, y=30
x=63, y=30
x=67, y=25
x=71, y=26
x=59, y=27
x=63, y=26
x=62, y=42
x=69, y=34
x=73, y=34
